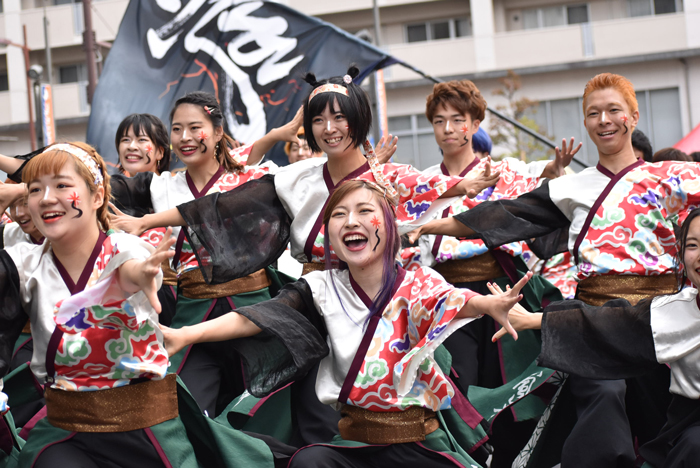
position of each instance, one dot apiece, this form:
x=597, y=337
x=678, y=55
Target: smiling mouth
x=23, y=223
x=52, y=216
x=355, y=242
x=333, y=141
x=188, y=150
x=133, y=158
x=604, y=134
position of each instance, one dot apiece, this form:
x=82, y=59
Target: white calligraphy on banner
x=232, y=15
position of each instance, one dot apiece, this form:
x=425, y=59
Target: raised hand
x=498, y=306
x=386, y=147
x=482, y=180
x=140, y=275
x=562, y=159
x=519, y=318
x=125, y=222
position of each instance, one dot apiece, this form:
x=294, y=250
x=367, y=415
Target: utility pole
x=32, y=130
x=376, y=131
x=89, y=46
x=47, y=47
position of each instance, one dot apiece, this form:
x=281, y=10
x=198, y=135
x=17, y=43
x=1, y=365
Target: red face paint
x=465, y=128
x=375, y=222
x=74, y=200
x=203, y=135
x=149, y=148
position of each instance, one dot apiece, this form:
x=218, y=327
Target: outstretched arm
x=227, y=327
x=138, y=226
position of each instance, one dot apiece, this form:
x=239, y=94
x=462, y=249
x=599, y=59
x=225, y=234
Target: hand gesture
x=288, y=131
x=563, y=157
x=146, y=270
x=174, y=339
x=9, y=193
x=482, y=180
x=124, y=222
x=519, y=318
x=386, y=147
x=499, y=306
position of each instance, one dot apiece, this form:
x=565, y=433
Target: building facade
x=555, y=46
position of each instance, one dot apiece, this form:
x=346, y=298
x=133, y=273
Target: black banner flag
x=250, y=54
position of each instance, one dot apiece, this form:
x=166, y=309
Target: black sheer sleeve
x=132, y=195
x=291, y=343
x=12, y=316
x=613, y=341
x=2, y=236
x=236, y=233
x=17, y=175
x=547, y=246
x=531, y=215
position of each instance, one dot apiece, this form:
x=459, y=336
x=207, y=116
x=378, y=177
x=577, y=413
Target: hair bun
x=311, y=79
x=353, y=71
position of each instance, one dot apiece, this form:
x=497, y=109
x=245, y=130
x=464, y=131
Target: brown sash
x=480, y=268
x=169, y=275
x=597, y=290
x=394, y=427
x=192, y=285
x=120, y=409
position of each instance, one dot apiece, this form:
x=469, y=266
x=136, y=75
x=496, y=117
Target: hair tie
x=347, y=79
x=206, y=108
x=329, y=88
x=377, y=172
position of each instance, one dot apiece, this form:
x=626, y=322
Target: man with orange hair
x=616, y=219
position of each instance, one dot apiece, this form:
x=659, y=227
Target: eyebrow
x=190, y=123
x=453, y=115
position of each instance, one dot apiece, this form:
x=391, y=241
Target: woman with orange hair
x=617, y=220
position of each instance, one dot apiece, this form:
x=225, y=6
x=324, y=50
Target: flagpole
x=498, y=114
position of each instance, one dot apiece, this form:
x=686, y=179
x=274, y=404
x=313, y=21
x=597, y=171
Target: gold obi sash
x=395, y=427
x=597, y=290
x=191, y=285
x=169, y=275
x=27, y=328
x=120, y=409
x=311, y=266
x=480, y=268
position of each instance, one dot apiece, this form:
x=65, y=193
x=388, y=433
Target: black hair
x=641, y=142
x=695, y=155
x=680, y=249
x=355, y=106
x=212, y=110
x=153, y=128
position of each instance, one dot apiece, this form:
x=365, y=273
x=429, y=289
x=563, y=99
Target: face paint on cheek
x=149, y=148
x=624, y=122
x=376, y=223
x=465, y=130
x=203, y=136
x=74, y=200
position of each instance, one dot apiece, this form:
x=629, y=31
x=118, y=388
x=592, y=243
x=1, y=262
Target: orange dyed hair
x=52, y=161
x=462, y=95
x=612, y=81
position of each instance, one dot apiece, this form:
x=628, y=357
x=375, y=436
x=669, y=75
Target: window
x=653, y=7
x=4, y=84
x=439, y=29
x=65, y=2
x=72, y=73
x=417, y=145
x=660, y=120
x=536, y=18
